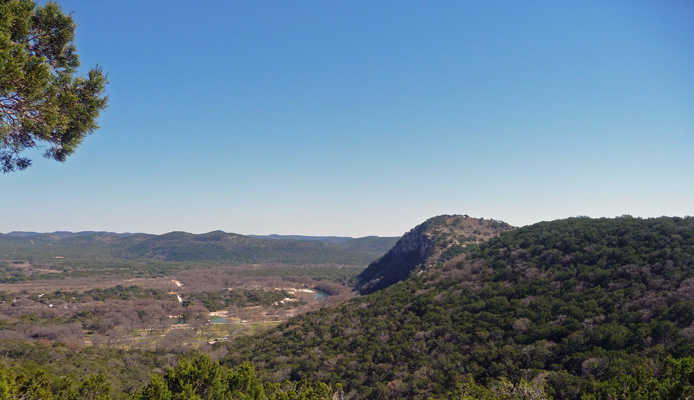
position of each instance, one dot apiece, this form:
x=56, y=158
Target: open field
x=189, y=308
x=82, y=284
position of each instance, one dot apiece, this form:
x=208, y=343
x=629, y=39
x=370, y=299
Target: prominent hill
x=439, y=239
x=577, y=306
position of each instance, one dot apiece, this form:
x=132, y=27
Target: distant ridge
x=216, y=246
x=329, y=239
x=67, y=234
x=22, y=234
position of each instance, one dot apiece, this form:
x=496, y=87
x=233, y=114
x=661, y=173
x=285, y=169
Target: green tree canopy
x=197, y=377
x=43, y=104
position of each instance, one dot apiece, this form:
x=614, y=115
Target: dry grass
x=83, y=284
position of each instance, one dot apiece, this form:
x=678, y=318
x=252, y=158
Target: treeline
x=196, y=376
x=87, y=266
x=118, y=292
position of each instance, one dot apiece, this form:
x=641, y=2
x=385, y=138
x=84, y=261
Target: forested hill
x=367, y=243
x=187, y=247
x=570, y=308
x=439, y=239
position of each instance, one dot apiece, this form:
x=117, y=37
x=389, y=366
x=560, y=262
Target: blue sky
x=366, y=118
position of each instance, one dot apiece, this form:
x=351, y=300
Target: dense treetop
x=195, y=377
x=42, y=102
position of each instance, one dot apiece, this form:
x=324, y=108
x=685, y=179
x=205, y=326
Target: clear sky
x=363, y=118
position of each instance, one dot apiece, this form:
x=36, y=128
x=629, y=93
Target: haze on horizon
x=356, y=119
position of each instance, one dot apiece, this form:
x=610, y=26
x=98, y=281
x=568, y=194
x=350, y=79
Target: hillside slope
x=439, y=239
x=566, y=304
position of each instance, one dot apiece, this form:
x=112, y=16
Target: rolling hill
x=217, y=246
x=569, y=308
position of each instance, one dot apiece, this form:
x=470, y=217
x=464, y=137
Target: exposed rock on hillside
x=439, y=239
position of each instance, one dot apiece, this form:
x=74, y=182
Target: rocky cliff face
x=445, y=238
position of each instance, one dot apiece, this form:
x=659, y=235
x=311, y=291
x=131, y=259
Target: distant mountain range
x=330, y=239
x=65, y=233
x=217, y=246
